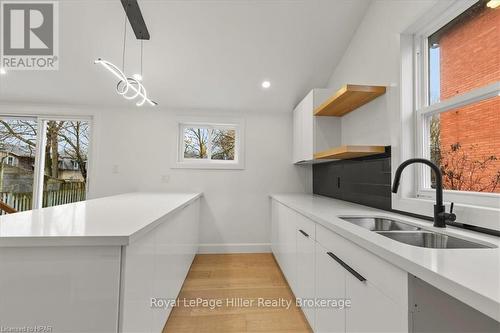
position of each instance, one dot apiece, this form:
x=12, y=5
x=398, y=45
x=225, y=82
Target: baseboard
x=235, y=248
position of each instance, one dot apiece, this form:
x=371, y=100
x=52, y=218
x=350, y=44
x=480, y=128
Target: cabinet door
x=280, y=236
x=371, y=310
x=275, y=229
x=297, y=134
x=307, y=123
x=305, y=272
x=330, y=285
x=286, y=243
x=303, y=130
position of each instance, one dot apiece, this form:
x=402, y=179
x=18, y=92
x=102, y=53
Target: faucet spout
x=440, y=215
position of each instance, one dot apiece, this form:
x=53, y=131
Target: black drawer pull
x=347, y=267
x=303, y=233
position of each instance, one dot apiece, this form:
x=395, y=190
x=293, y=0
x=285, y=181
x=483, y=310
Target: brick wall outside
x=470, y=58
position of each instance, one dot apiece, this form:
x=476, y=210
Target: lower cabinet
x=293, y=247
x=284, y=222
x=305, y=284
x=354, y=290
x=330, y=284
x=371, y=310
x=275, y=234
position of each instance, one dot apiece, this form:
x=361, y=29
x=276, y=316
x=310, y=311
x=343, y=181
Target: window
x=65, y=171
x=211, y=145
x=10, y=160
x=458, y=103
x=44, y=161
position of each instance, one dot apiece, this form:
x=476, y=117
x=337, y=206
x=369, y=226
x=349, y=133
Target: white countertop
x=115, y=220
x=470, y=275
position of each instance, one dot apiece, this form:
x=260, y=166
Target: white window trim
x=479, y=209
x=237, y=124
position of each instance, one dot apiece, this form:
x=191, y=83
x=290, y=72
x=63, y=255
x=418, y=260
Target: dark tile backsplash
x=366, y=181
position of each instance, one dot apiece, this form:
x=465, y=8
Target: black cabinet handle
x=303, y=233
x=347, y=267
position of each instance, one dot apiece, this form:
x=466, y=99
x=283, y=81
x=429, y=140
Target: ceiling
x=210, y=54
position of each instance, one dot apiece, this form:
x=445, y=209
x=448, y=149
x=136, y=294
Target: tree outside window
x=64, y=169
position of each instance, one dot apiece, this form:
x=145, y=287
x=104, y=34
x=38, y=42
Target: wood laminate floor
x=233, y=278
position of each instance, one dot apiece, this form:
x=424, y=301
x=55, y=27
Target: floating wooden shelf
x=348, y=98
x=347, y=152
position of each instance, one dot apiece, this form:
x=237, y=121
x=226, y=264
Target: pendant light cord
x=125, y=40
x=141, y=55
x=124, y=37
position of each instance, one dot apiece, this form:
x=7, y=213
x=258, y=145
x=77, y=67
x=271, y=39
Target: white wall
x=373, y=57
x=235, y=207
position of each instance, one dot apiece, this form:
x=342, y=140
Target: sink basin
x=432, y=240
x=379, y=223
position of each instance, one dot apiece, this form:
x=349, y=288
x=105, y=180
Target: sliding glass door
x=44, y=162
x=18, y=142
x=65, y=162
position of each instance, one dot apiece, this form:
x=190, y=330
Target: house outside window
x=458, y=104
x=450, y=111
x=463, y=56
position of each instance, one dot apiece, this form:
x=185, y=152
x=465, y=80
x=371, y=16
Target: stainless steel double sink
x=411, y=234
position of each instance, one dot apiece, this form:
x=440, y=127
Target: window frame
x=236, y=124
x=38, y=172
x=475, y=208
x=424, y=110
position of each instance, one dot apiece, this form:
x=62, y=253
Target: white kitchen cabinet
x=305, y=284
x=285, y=247
x=313, y=134
x=330, y=285
x=274, y=229
x=320, y=264
x=371, y=310
x=293, y=247
x=379, y=303
x=155, y=266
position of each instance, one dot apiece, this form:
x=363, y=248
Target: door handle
x=303, y=233
x=347, y=267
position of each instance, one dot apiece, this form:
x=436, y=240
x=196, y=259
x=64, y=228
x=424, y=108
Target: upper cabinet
x=312, y=134
x=317, y=126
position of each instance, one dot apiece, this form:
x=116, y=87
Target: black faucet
x=440, y=215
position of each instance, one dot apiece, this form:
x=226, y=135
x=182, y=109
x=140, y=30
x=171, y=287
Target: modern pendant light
x=130, y=88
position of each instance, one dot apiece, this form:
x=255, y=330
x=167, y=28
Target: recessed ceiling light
x=266, y=84
x=3, y=71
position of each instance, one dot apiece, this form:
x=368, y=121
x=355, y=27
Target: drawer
x=306, y=225
x=389, y=279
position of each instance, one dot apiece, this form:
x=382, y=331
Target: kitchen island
x=95, y=265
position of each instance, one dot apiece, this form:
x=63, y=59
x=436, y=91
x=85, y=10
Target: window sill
x=475, y=199
x=481, y=216
x=208, y=166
